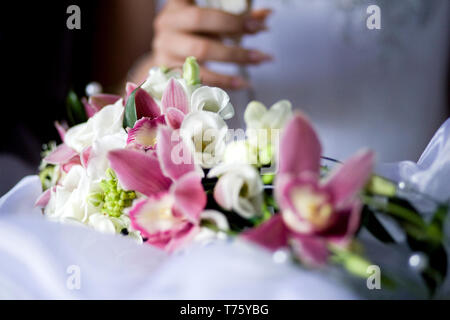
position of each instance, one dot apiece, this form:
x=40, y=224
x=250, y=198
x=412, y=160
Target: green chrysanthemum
x=113, y=200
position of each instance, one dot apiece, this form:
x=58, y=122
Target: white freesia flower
x=257, y=116
x=68, y=201
x=264, y=127
x=240, y=152
x=239, y=188
x=102, y=223
x=98, y=160
x=157, y=81
x=204, y=134
x=214, y=100
x=107, y=121
x=207, y=235
x=231, y=6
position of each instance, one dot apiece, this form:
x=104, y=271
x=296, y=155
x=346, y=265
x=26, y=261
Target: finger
x=206, y=49
x=207, y=20
x=214, y=79
x=261, y=13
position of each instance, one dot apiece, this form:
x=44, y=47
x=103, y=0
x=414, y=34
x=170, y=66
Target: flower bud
x=191, y=71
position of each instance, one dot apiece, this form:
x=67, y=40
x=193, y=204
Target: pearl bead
x=418, y=261
x=93, y=88
x=281, y=256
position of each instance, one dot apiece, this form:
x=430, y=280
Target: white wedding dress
x=383, y=89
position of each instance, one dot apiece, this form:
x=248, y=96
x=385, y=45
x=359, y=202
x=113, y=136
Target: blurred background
x=387, y=89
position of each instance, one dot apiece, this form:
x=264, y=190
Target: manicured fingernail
x=239, y=83
x=257, y=56
x=253, y=25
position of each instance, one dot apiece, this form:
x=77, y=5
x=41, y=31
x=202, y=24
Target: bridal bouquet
x=161, y=166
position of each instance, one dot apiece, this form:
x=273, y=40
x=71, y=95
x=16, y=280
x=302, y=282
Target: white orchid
x=107, y=121
x=214, y=100
x=239, y=188
x=204, y=133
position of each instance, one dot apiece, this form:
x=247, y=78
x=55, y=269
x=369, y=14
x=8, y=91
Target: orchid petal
x=101, y=100
x=190, y=197
x=351, y=177
x=173, y=154
x=175, y=97
x=88, y=108
x=62, y=154
x=44, y=198
x=145, y=105
x=174, y=117
x=98, y=102
x=272, y=234
x=130, y=87
x=153, y=218
x=143, y=135
x=138, y=171
x=300, y=149
x=85, y=156
x=62, y=129
x=75, y=161
x=310, y=250
x=346, y=224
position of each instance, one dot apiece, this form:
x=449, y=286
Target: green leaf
x=438, y=220
x=130, y=116
x=75, y=109
x=374, y=226
x=435, y=273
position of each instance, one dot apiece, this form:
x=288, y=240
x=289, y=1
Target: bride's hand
x=183, y=29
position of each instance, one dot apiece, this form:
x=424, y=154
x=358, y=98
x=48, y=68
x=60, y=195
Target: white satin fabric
x=35, y=255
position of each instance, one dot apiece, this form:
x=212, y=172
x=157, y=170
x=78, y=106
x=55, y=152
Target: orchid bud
x=380, y=186
x=191, y=71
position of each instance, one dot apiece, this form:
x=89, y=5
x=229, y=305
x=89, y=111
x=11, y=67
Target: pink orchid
x=146, y=106
x=64, y=156
x=174, y=105
x=314, y=213
x=97, y=102
x=169, y=215
x=143, y=134
x=62, y=129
